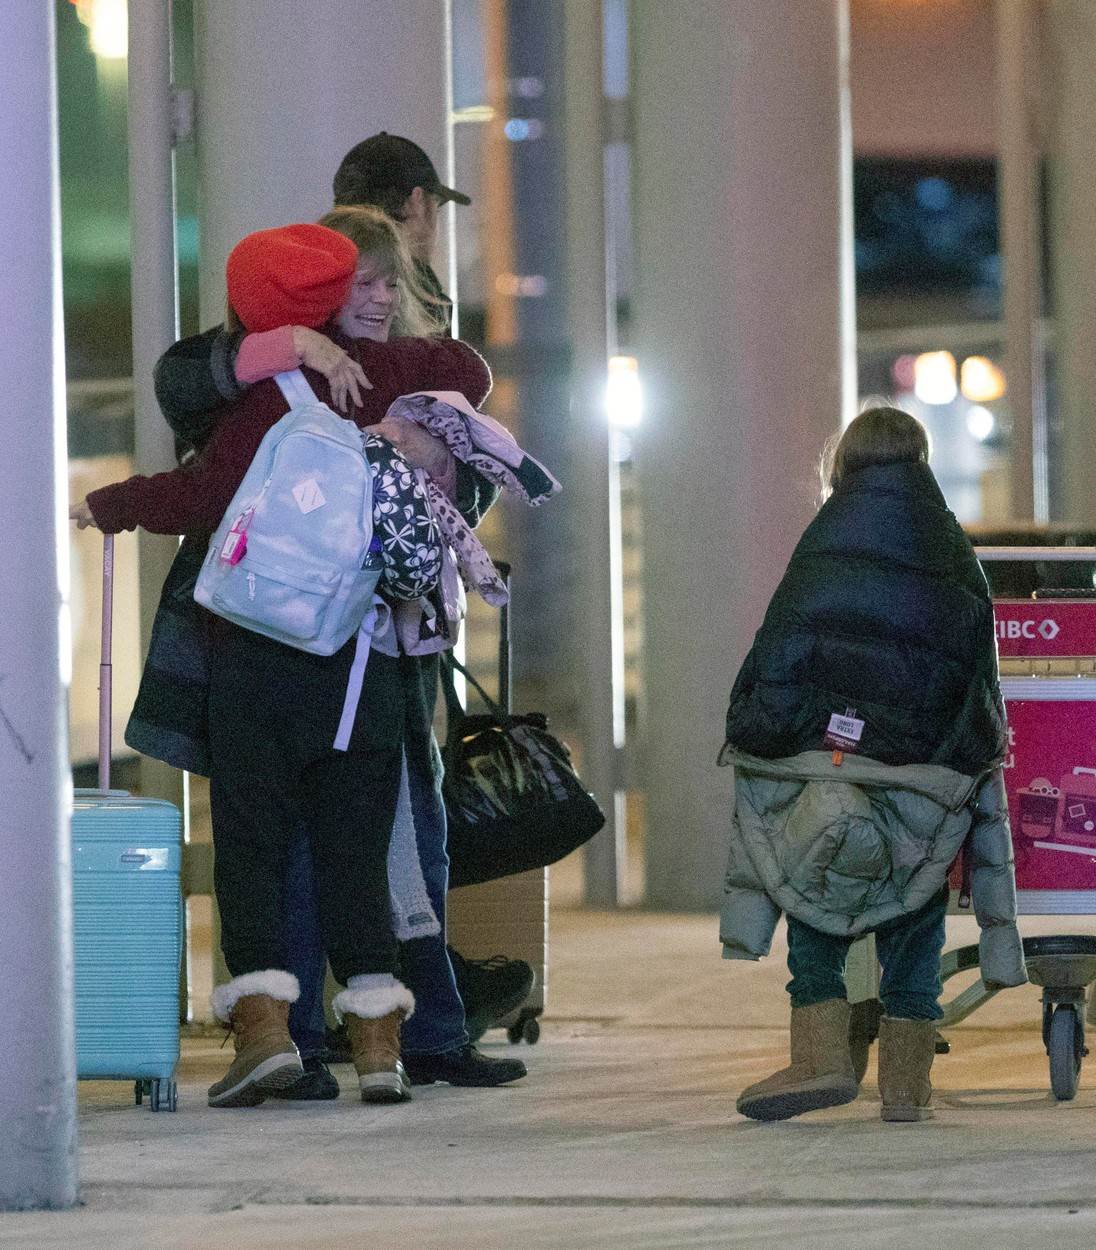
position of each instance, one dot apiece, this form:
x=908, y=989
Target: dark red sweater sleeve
x=191, y=499
x=443, y=365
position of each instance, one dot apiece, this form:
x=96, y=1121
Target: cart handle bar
x=1079, y=554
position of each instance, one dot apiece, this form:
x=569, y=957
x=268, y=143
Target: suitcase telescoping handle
x=104, y=663
x=506, y=653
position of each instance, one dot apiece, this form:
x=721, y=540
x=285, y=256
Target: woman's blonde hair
x=377, y=236
x=877, y=436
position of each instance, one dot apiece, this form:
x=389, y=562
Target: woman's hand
x=420, y=449
x=81, y=514
x=344, y=375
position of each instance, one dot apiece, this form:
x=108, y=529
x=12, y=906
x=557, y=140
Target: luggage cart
x=1047, y=647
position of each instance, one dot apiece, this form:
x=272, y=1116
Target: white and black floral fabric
x=403, y=524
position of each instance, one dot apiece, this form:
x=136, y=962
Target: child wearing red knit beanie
x=290, y=275
x=272, y=710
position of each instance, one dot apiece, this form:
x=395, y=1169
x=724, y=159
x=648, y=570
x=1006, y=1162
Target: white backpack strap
x=357, y=671
x=294, y=386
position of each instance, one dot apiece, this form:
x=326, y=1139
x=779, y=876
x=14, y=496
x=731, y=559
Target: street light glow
x=108, y=27
x=934, y=380
x=623, y=393
x=980, y=380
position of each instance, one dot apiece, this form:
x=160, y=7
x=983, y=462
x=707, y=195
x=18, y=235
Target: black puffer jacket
x=884, y=609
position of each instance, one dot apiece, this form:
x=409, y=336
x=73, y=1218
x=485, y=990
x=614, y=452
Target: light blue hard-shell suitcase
x=128, y=920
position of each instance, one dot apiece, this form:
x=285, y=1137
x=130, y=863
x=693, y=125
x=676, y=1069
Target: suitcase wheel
x=526, y=1030
x=163, y=1095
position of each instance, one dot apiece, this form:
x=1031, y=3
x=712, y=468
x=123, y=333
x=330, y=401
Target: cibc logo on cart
x=1047, y=629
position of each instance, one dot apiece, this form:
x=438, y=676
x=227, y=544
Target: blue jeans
x=438, y=1021
x=304, y=954
x=909, y=951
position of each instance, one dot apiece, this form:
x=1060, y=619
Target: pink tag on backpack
x=235, y=544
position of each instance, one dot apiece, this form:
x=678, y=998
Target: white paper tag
x=308, y=495
x=847, y=727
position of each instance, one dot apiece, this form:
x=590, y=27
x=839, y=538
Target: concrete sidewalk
x=623, y=1135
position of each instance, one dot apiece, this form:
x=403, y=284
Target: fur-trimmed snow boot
x=372, y=1019
x=256, y=1008
x=820, y=1074
x=906, y=1051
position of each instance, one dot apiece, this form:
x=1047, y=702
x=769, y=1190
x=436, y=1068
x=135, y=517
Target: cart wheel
x=514, y=1033
x=138, y=1092
x=942, y=1046
x=530, y=1031
x=1065, y=1046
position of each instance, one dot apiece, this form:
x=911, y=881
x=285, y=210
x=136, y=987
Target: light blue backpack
x=295, y=557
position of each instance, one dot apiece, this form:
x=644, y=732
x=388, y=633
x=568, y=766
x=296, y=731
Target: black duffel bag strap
x=455, y=710
x=500, y=714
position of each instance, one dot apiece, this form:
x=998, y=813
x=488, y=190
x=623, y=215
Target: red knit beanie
x=292, y=275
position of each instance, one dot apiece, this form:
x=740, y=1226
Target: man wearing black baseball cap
x=396, y=176
x=385, y=165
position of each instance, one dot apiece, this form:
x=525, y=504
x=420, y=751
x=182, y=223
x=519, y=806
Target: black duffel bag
x=512, y=798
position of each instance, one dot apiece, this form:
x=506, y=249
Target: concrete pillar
x=37, y=1049
x=1071, y=37
x=592, y=317
x=528, y=331
x=1020, y=200
x=284, y=90
x=744, y=332
x=155, y=303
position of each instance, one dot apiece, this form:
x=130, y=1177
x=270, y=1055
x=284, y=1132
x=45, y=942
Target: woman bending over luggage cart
x=867, y=732
x=274, y=710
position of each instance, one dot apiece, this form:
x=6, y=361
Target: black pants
x=273, y=714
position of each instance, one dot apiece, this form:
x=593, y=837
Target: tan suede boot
x=375, y=1049
x=266, y=1058
x=820, y=1074
x=373, y=1019
x=906, y=1051
x=864, y=1020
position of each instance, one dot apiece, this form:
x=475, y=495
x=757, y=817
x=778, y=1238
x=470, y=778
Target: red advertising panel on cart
x=1046, y=628
x=1050, y=770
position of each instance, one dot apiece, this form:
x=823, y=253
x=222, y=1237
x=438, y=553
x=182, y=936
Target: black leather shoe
x=317, y=1084
x=491, y=989
x=463, y=1066
x=337, y=1046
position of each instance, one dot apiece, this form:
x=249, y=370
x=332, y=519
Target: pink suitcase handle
x=1078, y=771
x=104, y=663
